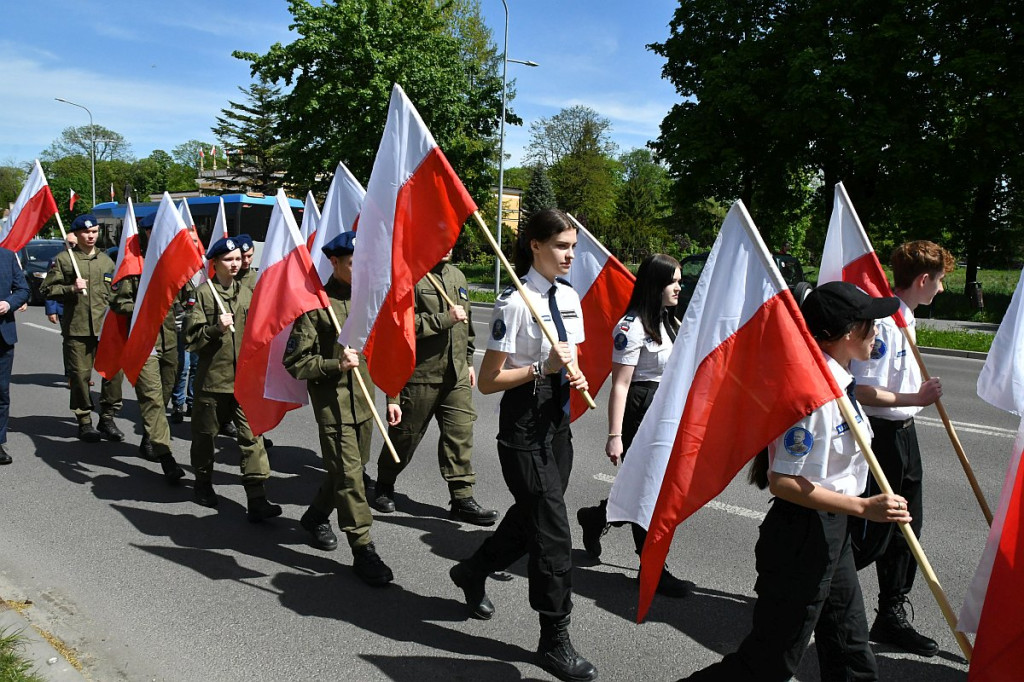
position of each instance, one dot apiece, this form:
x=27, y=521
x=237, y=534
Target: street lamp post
x=92, y=136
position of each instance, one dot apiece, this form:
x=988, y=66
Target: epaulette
x=629, y=318
x=508, y=290
x=564, y=281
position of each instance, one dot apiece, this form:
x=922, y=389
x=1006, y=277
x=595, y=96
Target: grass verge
x=14, y=668
x=954, y=339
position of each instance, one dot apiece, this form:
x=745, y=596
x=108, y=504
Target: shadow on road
x=416, y=668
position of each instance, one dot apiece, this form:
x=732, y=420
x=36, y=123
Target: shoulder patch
x=108, y=277
x=563, y=280
x=293, y=342
x=498, y=329
x=879, y=350
x=798, y=441
x=620, y=341
x=463, y=294
x=629, y=318
x=507, y=292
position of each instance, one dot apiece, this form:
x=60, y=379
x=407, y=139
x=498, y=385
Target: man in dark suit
x=14, y=291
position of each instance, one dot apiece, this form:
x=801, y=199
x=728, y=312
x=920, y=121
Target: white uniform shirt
x=892, y=366
x=632, y=346
x=821, y=446
x=514, y=331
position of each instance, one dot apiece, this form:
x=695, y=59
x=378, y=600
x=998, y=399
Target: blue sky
x=158, y=73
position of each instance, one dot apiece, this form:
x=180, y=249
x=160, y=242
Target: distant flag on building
x=33, y=207
x=341, y=213
x=741, y=312
x=604, y=286
x=412, y=214
x=310, y=220
x=114, y=333
x=71, y=201
x=111, y=191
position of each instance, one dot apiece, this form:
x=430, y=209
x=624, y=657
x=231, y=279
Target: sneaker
x=370, y=568
x=473, y=586
x=108, y=429
x=172, y=470
x=594, y=524
x=892, y=627
x=88, y=433
x=177, y=415
x=261, y=510
x=384, y=500
x=203, y=494
x=319, y=528
x=469, y=510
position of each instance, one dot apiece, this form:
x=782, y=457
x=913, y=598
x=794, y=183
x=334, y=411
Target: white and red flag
x=111, y=191
x=995, y=598
x=848, y=255
x=413, y=212
x=341, y=213
x=33, y=207
x=604, y=285
x=71, y=201
x=201, y=275
x=171, y=259
x=286, y=288
x=310, y=220
x=114, y=333
x=690, y=447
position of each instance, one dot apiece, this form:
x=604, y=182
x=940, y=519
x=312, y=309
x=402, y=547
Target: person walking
x=14, y=293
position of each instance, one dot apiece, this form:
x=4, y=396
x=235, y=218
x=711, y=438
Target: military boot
x=473, y=582
x=108, y=429
x=892, y=627
x=318, y=525
x=177, y=414
x=594, y=521
x=384, y=498
x=557, y=655
x=146, y=448
x=88, y=433
x=259, y=509
x=370, y=568
x=469, y=510
x=203, y=494
x=172, y=470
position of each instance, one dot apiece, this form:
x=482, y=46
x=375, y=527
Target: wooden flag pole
x=850, y=416
x=444, y=294
x=216, y=297
x=953, y=438
x=366, y=395
x=71, y=249
x=552, y=339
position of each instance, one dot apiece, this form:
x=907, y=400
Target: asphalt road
x=146, y=585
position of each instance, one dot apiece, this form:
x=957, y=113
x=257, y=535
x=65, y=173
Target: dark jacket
x=14, y=290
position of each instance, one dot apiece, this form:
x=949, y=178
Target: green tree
x=539, y=195
x=79, y=140
x=249, y=129
x=12, y=179
x=187, y=154
x=567, y=132
x=643, y=208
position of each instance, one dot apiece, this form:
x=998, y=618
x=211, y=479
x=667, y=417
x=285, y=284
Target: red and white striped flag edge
x=604, y=285
x=848, y=255
x=71, y=200
x=286, y=288
x=743, y=369
x=342, y=205
x=310, y=220
x=220, y=225
x=114, y=333
x=171, y=260
x=204, y=273
x=412, y=214
x=33, y=207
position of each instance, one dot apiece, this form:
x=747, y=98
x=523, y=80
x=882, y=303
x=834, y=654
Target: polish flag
x=994, y=599
x=202, y=154
x=310, y=220
x=848, y=255
x=604, y=286
x=71, y=201
x=413, y=212
x=33, y=207
x=171, y=260
x=286, y=288
x=111, y=191
x=220, y=231
x=114, y=333
x=688, y=445
x=202, y=275
x=341, y=213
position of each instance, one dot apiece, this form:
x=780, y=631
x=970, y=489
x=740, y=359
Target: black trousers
x=535, y=451
x=806, y=583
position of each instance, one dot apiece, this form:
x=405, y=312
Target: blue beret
x=342, y=245
x=244, y=242
x=146, y=222
x=222, y=246
x=84, y=222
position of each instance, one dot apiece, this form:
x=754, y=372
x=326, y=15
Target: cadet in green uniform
x=85, y=304
x=343, y=418
x=208, y=333
x=246, y=275
x=441, y=386
x=156, y=380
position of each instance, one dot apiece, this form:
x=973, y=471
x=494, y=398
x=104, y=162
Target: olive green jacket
x=218, y=351
x=248, y=278
x=83, y=313
x=313, y=354
x=126, y=290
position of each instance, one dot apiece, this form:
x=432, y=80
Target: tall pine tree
x=248, y=132
x=538, y=196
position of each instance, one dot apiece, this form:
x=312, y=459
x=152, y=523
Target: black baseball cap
x=831, y=308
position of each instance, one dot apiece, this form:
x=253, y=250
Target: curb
x=47, y=661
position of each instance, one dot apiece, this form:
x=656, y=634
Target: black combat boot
x=384, y=498
x=172, y=471
x=557, y=655
x=88, y=433
x=469, y=510
x=203, y=494
x=892, y=627
x=261, y=510
x=472, y=582
x=594, y=521
x=177, y=414
x=229, y=429
x=319, y=527
x=370, y=568
x=146, y=448
x=108, y=429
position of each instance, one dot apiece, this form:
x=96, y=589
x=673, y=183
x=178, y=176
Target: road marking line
x=39, y=326
x=714, y=504
x=968, y=427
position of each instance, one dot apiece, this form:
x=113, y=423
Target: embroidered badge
x=498, y=329
x=798, y=441
x=568, y=314
x=293, y=343
x=879, y=349
x=463, y=294
x=108, y=277
x=620, y=341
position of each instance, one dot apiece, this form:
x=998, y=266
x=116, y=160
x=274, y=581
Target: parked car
x=691, y=267
x=35, y=260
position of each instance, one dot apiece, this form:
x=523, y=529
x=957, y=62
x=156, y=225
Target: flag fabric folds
x=848, y=255
x=604, y=285
x=310, y=220
x=33, y=207
x=994, y=599
x=71, y=201
x=286, y=288
x=412, y=214
x=688, y=448
x=114, y=333
x=341, y=212
x=202, y=274
x=171, y=259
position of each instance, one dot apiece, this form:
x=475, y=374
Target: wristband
x=615, y=435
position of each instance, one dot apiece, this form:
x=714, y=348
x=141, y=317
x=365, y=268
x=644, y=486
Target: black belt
x=646, y=384
x=894, y=424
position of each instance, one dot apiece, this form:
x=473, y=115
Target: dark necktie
x=853, y=399
x=556, y=317
x=666, y=319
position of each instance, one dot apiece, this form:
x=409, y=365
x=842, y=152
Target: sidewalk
x=49, y=663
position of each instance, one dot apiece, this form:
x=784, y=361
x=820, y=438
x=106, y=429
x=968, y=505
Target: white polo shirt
x=632, y=346
x=892, y=366
x=821, y=446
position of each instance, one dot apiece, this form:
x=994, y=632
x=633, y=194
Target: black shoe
x=108, y=429
x=203, y=494
x=384, y=500
x=319, y=528
x=229, y=429
x=370, y=568
x=469, y=510
x=88, y=433
x=892, y=627
x=146, y=448
x=177, y=415
x=188, y=411
x=4, y=457
x=473, y=587
x=172, y=471
x=261, y=510
x=594, y=522
x=671, y=586
x=557, y=655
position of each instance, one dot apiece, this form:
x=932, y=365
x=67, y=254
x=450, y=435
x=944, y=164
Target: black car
x=691, y=267
x=35, y=260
